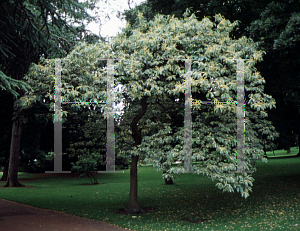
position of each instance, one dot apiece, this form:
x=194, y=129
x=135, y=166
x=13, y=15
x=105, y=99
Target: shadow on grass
x=121, y=211
x=193, y=202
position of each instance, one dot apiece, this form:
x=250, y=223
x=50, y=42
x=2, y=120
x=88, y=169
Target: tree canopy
x=148, y=61
x=29, y=30
x=150, y=68
x=274, y=25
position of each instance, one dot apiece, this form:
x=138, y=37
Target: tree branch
x=136, y=134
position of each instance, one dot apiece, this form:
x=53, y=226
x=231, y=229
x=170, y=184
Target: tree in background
x=29, y=30
x=243, y=10
x=82, y=80
x=278, y=29
x=32, y=156
x=6, y=110
x=90, y=148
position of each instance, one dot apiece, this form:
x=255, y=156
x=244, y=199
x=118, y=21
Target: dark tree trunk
x=265, y=151
x=133, y=206
x=298, y=155
x=12, y=179
x=265, y=155
x=288, y=151
x=168, y=181
x=5, y=173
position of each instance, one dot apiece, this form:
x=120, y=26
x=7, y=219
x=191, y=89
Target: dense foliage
x=148, y=70
x=275, y=27
x=148, y=54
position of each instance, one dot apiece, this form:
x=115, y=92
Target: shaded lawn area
x=192, y=203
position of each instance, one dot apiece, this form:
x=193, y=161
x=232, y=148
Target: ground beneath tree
x=19, y=217
x=144, y=210
x=41, y=176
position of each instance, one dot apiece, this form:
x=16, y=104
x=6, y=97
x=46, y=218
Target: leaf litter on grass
x=273, y=205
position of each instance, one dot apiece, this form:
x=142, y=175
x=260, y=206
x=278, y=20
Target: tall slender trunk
x=298, y=155
x=5, y=173
x=265, y=151
x=288, y=151
x=12, y=179
x=133, y=206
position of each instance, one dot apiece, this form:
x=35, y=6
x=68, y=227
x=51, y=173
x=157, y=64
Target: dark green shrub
x=86, y=164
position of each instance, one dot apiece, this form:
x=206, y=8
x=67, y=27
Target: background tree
x=79, y=83
x=278, y=29
x=5, y=126
x=90, y=148
x=243, y=10
x=28, y=31
x=265, y=128
x=32, y=156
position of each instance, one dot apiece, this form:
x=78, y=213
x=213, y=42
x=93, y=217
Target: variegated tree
x=149, y=68
x=151, y=74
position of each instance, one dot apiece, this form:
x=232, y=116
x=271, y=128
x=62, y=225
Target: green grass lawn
x=274, y=203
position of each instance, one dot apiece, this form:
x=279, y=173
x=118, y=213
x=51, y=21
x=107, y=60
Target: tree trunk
x=298, y=155
x=288, y=150
x=265, y=155
x=265, y=151
x=5, y=173
x=12, y=179
x=168, y=181
x=133, y=206
x=141, y=162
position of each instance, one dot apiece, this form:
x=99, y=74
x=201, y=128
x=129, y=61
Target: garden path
x=20, y=217
x=15, y=216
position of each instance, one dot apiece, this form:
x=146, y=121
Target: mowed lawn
x=192, y=203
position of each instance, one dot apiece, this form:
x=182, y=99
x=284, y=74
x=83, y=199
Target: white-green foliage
x=146, y=68
x=83, y=77
x=147, y=55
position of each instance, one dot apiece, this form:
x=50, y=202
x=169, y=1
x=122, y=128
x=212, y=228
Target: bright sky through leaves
x=112, y=25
